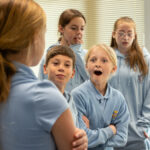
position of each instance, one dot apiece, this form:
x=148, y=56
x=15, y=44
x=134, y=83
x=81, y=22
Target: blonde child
x=104, y=106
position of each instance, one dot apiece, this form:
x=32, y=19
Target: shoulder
x=146, y=54
x=84, y=51
x=48, y=104
x=47, y=90
x=40, y=92
x=53, y=46
x=81, y=89
x=116, y=95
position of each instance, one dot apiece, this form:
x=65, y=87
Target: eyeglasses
x=123, y=34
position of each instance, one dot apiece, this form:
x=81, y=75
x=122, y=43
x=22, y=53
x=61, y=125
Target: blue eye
x=93, y=59
x=123, y=34
x=130, y=34
x=104, y=60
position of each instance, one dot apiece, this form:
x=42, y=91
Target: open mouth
x=96, y=72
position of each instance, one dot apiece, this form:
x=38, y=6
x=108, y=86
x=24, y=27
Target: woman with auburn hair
x=33, y=114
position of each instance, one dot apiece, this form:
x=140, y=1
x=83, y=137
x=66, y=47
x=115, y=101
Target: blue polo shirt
x=27, y=117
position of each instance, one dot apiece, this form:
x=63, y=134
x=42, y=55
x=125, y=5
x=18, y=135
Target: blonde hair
x=19, y=21
x=110, y=52
x=134, y=55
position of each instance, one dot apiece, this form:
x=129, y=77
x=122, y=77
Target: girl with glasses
x=133, y=80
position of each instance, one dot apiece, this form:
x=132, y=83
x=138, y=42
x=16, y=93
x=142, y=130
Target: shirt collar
x=98, y=95
x=67, y=96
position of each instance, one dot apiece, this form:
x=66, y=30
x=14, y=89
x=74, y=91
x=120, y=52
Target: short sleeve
x=49, y=104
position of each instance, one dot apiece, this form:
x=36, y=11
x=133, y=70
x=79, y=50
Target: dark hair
x=68, y=15
x=60, y=50
x=134, y=55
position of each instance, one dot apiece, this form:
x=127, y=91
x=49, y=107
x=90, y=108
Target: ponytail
x=7, y=70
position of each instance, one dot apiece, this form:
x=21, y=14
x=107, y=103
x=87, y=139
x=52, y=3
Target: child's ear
x=86, y=67
x=73, y=73
x=114, y=69
x=113, y=34
x=61, y=29
x=45, y=69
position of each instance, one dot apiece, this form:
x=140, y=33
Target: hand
x=86, y=121
x=146, y=135
x=113, y=129
x=80, y=140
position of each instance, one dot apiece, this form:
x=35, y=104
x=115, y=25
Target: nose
x=61, y=68
x=79, y=31
x=98, y=65
x=125, y=36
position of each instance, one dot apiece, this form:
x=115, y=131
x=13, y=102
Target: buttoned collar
x=98, y=95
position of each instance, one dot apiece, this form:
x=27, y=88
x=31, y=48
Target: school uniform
x=80, y=72
x=101, y=112
x=72, y=107
x=136, y=91
x=28, y=115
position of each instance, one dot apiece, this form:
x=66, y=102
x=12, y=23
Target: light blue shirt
x=72, y=107
x=136, y=91
x=80, y=72
x=101, y=112
x=27, y=117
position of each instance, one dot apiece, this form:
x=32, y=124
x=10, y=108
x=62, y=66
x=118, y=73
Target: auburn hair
x=135, y=57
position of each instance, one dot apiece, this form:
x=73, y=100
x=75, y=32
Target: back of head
x=60, y=50
x=19, y=21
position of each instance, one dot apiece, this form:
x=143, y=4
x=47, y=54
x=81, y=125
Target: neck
x=20, y=57
x=64, y=42
x=123, y=51
x=101, y=87
x=61, y=88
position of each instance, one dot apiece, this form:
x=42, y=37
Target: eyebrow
x=124, y=31
x=77, y=25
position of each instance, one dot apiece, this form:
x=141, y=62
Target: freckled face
x=124, y=36
x=99, y=66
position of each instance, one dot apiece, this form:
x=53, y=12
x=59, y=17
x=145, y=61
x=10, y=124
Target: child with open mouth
x=104, y=106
